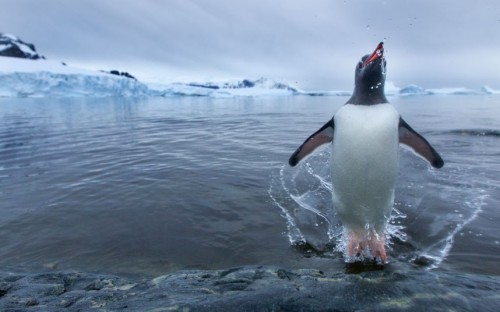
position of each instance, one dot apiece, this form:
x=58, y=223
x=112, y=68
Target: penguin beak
x=378, y=53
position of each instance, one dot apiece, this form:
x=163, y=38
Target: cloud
x=314, y=43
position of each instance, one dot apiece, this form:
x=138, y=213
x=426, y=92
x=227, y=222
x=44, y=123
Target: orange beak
x=379, y=52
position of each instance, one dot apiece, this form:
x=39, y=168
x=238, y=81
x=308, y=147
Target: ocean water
x=149, y=186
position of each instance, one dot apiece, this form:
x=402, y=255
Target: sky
x=312, y=44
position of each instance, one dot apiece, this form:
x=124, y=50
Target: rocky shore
x=251, y=289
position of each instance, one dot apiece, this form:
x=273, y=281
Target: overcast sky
x=314, y=44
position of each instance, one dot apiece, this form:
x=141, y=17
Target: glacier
x=43, y=78
x=44, y=84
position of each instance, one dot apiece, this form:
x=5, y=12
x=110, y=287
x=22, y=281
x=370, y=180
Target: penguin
x=365, y=134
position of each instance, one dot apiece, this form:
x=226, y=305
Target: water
x=147, y=187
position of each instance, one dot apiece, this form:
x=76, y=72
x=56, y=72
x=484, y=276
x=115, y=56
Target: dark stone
x=4, y=288
x=31, y=302
x=247, y=84
x=119, y=73
x=203, y=85
x=422, y=261
x=284, y=274
x=253, y=289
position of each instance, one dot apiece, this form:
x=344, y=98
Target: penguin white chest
x=365, y=164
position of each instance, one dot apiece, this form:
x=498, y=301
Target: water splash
x=440, y=250
x=304, y=196
x=423, y=223
x=279, y=192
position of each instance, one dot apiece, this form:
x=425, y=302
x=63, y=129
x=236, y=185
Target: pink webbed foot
x=355, y=245
x=377, y=248
x=366, y=245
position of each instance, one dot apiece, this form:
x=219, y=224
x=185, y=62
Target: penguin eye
x=360, y=64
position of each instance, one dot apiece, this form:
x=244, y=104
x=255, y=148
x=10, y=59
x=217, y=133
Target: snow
x=234, y=88
x=390, y=88
x=15, y=41
x=489, y=90
x=19, y=65
x=44, y=78
x=46, y=84
x=11, y=37
x=413, y=90
x=452, y=91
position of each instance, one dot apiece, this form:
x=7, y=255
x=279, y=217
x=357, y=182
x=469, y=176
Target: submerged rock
x=251, y=289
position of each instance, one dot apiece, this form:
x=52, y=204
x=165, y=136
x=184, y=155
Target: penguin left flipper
x=320, y=137
x=418, y=144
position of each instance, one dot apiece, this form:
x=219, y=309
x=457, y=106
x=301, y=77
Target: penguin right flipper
x=322, y=136
x=418, y=144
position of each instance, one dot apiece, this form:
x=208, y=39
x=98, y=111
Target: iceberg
x=452, y=91
x=413, y=90
x=326, y=93
x=46, y=84
x=20, y=77
x=390, y=89
x=42, y=78
x=235, y=88
x=489, y=90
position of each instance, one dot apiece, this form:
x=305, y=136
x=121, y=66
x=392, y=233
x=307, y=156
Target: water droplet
x=368, y=27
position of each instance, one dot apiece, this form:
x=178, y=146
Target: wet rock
x=422, y=261
x=251, y=289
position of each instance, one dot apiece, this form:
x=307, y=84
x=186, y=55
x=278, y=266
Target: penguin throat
x=368, y=95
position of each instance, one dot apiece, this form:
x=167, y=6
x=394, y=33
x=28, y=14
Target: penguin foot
x=366, y=245
x=377, y=249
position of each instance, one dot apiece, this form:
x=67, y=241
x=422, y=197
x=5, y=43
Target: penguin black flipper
x=322, y=136
x=418, y=144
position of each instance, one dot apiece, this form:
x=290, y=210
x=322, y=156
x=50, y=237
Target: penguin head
x=369, y=78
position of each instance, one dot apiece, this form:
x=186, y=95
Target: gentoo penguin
x=365, y=134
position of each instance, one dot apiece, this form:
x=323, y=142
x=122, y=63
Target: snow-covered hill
x=12, y=46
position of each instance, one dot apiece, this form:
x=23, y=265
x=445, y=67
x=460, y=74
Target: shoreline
x=250, y=288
